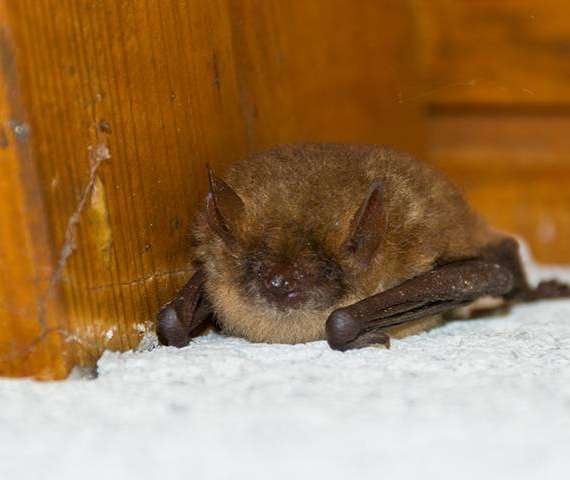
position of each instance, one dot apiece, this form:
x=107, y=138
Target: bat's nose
x=280, y=283
x=283, y=284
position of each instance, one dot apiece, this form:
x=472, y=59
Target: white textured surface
x=476, y=399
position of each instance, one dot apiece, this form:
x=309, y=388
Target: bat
x=354, y=244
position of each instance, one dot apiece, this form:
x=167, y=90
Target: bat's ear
x=367, y=226
x=224, y=207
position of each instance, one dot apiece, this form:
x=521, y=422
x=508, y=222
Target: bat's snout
x=285, y=285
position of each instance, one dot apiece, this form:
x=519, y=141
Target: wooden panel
x=327, y=71
x=123, y=118
x=128, y=100
x=31, y=307
x=494, y=52
x=515, y=169
x=496, y=82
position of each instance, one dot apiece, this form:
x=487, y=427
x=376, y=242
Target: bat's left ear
x=367, y=226
x=224, y=207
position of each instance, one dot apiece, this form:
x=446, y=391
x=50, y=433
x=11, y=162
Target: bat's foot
x=548, y=289
x=170, y=329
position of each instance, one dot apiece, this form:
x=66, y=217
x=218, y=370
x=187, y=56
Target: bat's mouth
x=284, y=292
x=290, y=300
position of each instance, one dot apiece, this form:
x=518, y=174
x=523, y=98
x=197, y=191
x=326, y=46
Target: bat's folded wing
x=440, y=290
x=183, y=317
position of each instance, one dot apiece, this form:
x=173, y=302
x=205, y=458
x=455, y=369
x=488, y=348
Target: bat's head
x=275, y=276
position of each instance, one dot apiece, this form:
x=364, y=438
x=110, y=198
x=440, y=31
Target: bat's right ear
x=224, y=207
x=367, y=226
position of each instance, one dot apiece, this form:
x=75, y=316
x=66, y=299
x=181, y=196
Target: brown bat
x=346, y=243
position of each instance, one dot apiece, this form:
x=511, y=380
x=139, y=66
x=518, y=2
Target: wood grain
x=497, y=101
x=327, y=71
x=515, y=169
x=127, y=101
x=487, y=52
x=31, y=309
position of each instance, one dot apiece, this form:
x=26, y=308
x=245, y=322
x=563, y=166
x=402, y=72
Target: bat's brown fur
x=299, y=202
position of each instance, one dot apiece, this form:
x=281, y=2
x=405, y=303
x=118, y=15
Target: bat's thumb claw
x=341, y=329
x=169, y=329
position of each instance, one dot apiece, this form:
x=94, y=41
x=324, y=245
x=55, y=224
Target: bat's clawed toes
x=549, y=289
x=170, y=330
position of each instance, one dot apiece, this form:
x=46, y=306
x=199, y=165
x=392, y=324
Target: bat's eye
x=331, y=271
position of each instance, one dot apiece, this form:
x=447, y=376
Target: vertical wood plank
x=127, y=101
x=32, y=314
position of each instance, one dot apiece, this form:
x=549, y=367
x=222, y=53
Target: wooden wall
x=498, y=110
x=110, y=109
